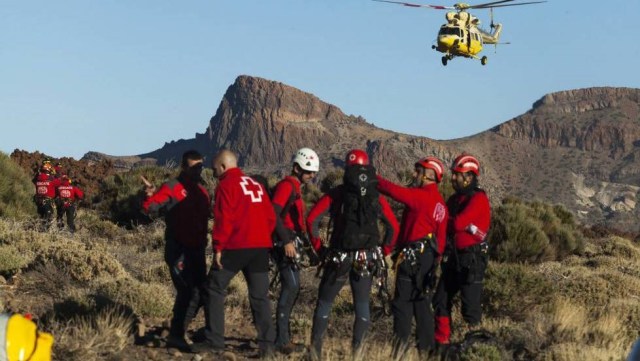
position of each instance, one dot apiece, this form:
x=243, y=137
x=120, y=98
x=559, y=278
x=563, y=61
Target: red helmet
x=357, y=156
x=432, y=163
x=466, y=163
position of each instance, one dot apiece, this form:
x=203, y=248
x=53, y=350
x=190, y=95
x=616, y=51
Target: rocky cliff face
x=579, y=147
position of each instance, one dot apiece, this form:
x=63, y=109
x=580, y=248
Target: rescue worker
x=46, y=186
x=422, y=239
x=21, y=340
x=243, y=223
x=345, y=258
x=465, y=258
x=67, y=195
x=289, y=234
x=57, y=170
x=187, y=208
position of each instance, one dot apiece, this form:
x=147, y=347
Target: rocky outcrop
x=595, y=119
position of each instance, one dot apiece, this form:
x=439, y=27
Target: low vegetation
x=551, y=292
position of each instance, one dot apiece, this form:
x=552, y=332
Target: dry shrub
x=156, y=272
x=92, y=337
x=11, y=260
x=16, y=190
x=82, y=262
x=145, y=299
x=237, y=292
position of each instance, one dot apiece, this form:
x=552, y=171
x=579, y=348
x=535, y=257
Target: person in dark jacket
x=290, y=230
x=343, y=262
x=187, y=208
x=465, y=258
x=422, y=239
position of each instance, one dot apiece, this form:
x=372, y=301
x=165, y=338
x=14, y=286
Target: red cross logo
x=252, y=188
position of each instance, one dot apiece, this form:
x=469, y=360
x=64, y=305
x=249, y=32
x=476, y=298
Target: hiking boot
x=179, y=343
x=290, y=348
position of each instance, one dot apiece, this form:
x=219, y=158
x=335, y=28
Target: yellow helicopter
x=461, y=35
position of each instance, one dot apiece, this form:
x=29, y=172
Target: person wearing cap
x=465, y=258
x=187, y=207
x=344, y=259
x=67, y=195
x=46, y=185
x=421, y=241
x=290, y=230
x=244, y=221
x=22, y=341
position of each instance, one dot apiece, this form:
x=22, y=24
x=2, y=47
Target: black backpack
x=360, y=208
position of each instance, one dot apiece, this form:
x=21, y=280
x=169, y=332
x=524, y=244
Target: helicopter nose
x=446, y=41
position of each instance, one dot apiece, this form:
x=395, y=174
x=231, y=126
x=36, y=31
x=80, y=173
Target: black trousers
x=333, y=278
x=412, y=299
x=254, y=265
x=464, y=274
x=70, y=212
x=45, y=212
x=188, y=271
x=289, y=291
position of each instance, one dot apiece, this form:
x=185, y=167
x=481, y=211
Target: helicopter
x=462, y=35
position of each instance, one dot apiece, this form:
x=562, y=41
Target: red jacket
x=68, y=192
x=243, y=214
x=187, y=206
x=331, y=203
x=466, y=211
x=46, y=185
x=287, y=198
x=424, y=213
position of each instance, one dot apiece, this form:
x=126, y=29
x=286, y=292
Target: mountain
x=577, y=147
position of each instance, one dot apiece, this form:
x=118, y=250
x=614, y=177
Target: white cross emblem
x=252, y=188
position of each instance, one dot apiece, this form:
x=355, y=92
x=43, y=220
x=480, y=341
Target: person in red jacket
x=46, y=185
x=353, y=252
x=243, y=223
x=187, y=208
x=422, y=239
x=290, y=230
x=465, y=259
x=67, y=195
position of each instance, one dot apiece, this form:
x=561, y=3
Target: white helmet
x=307, y=159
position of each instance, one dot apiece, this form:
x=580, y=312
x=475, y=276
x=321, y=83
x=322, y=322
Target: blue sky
x=123, y=77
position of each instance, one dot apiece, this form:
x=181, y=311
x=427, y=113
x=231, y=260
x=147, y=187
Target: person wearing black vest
x=354, y=251
x=290, y=229
x=465, y=258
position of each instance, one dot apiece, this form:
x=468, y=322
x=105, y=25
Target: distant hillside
x=578, y=147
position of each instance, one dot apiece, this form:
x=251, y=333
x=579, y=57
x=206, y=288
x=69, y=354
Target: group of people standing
x=56, y=191
x=250, y=227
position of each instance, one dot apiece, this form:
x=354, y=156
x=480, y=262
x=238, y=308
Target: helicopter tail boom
x=492, y=37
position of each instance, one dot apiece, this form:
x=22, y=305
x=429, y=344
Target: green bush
x=533, y=232
x=482, y=352
x=16, y=190
x=514, y=291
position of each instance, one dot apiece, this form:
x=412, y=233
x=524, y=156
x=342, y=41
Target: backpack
x=360, y=208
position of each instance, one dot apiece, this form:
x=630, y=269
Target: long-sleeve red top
x=68, y=192
x=425, y=212
x=465, y=211
x=243, y=214
x=46, y=185
x=187, y=206
x=331, y=203
x=287, y=201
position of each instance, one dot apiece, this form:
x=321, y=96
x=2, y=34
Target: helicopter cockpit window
x=450, y=31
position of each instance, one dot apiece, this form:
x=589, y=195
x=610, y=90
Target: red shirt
x=68, y=192
x=243, y=214
x=425, y=212
x=477, y=211
x=288, y=196
x=46, y=185
x=332, y=202
x=188, y=207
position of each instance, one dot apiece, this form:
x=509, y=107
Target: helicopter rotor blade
x=505, y=5
x=491, y=3
x=437, y=7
